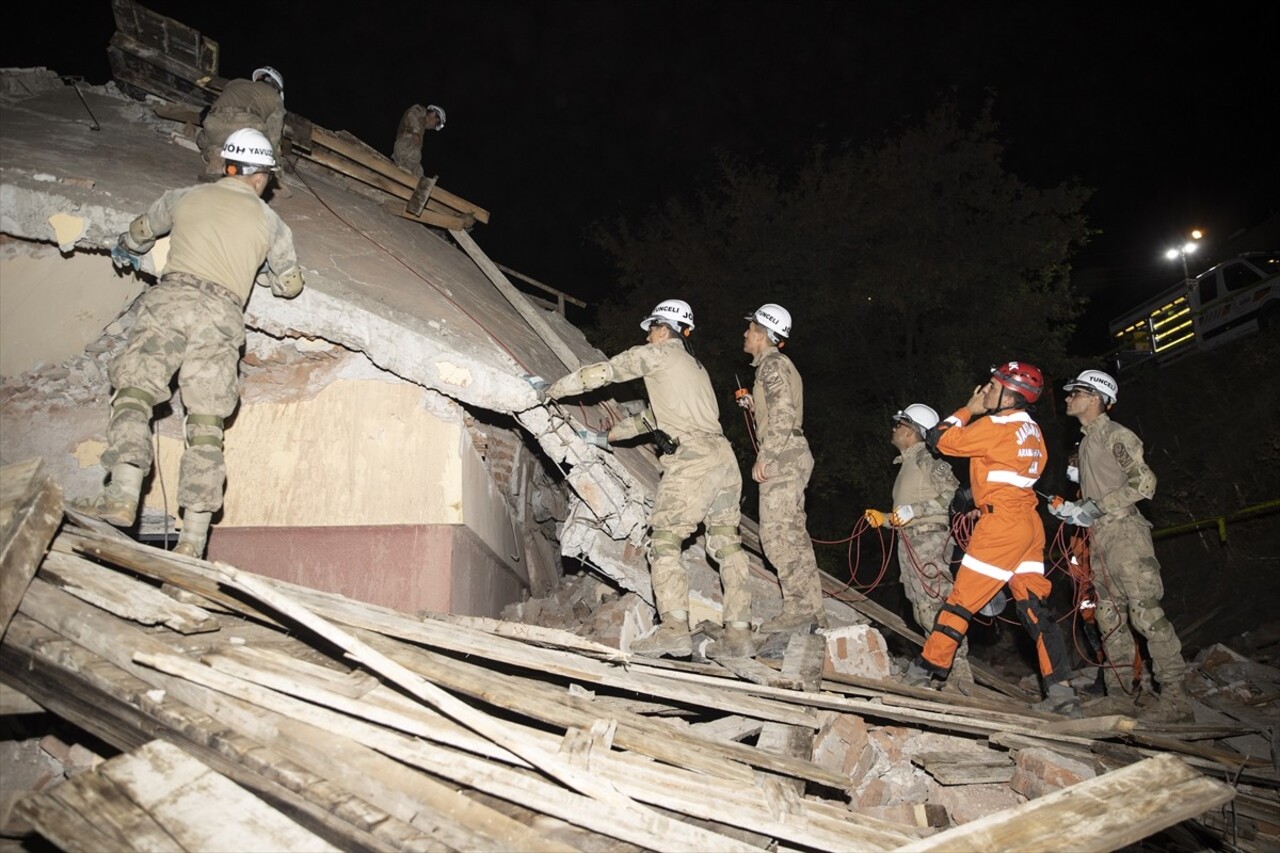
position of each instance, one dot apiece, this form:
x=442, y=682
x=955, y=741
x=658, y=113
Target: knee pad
x=664, y=543
x=1108, y=616
x=723, y=540
x=957, y=611
x=1148, y=616
x=132, y=399
x=1033, y=614
x=204, y=431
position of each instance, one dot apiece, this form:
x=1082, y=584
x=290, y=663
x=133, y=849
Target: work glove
x=1073, y=473
x=591, y=436
x=876, y=518
x=122, y=258
x=902, y=516
x=539, y=386
x=1080, y=513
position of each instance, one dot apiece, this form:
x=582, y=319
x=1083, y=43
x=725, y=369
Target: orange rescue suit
x=1006, y=455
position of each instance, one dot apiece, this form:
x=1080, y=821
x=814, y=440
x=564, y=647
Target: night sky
x=561, y=114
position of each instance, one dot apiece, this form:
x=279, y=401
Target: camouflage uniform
x=926, y=484
x=407, y=153
x=778, y=404
x=192, y=322
x=1126, y=573
x=700, y=482
x=243, y=103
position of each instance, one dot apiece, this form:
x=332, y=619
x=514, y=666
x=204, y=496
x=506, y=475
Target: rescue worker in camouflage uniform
x=416, y=121
x=192, y=322
x=921, y=515
x=257, y=103
x=1126, y=574
x=700, y=484
x=782, y=468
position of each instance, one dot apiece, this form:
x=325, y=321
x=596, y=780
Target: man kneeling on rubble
x=192, y=323
x=700, y=482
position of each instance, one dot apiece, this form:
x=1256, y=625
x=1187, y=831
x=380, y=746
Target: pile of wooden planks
x=364, y=728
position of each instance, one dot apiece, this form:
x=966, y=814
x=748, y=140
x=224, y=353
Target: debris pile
x=370, y=728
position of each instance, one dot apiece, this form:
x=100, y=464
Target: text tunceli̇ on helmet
x=675, y=313
x=1021, y=378
x=432, y=108
x=1098, y=382
x=775, y=319
x=250, y=150
x=920, y=416
x=266, y=72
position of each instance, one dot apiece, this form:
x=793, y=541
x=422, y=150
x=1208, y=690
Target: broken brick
x=1042, y=771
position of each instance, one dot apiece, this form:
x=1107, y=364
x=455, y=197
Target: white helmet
x=275, y=76
x=775, y=319
x=250, y=149
x=920, y=416
x=432, y=108
x=1098, y=382
x=672, y=312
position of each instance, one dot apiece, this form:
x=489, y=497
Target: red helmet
x=1020, y=378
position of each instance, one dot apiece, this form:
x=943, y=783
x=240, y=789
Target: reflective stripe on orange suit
x=1006, y=456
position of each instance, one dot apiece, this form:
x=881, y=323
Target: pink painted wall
x=443, y=567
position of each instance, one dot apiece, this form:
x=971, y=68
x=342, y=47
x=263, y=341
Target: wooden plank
x=185, y=572
x=199, y=807
x=14, y=701
x=388, y=169
x=116, y=706
x=815, y=826
x=517, y=299
x=424, y=690
x=125, y=597
x=730, y=727
x=967, y=767
x=421, y=193
x=625, y=824
x=406, y=794
x=1103, y=813
x=447, y=221
x=30, y=512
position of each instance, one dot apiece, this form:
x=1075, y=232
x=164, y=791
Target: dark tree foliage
x=910, y=266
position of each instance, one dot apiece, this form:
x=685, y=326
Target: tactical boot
x=917, y=676
x=1060, y=699
x=736, y=642
x=195, y=533
x=791, y=619
x=1109, y=705
x=1174, y=706
x=118, y=503
x=672, y=638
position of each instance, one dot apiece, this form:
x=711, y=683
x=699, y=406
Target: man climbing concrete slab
x=192, y=323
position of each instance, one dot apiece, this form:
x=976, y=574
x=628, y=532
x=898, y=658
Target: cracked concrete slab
x=402, y=294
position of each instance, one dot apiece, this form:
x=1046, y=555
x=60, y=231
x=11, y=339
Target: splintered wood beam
x=518, y=301
x=384, y=167
x=448, y=221
x=157, y=798
x=1103, y=813
x=421, y=193
x=30, y=512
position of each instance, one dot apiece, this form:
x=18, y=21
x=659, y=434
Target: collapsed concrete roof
x=77, y=164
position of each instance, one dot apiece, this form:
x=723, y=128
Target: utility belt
x=918, y=526
x=1116, y=515
x=200, y=284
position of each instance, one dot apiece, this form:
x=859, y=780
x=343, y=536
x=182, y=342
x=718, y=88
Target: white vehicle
x=1233, y=299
